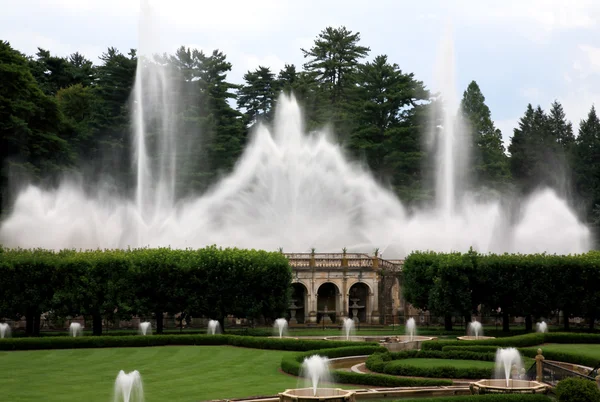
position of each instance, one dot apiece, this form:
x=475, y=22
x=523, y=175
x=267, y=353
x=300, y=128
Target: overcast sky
x=519, y=51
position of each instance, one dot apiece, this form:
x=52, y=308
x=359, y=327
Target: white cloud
x=593, y=57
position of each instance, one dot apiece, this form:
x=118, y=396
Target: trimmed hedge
x=293, y=365
x=398, y=367
x=513, y=341
x=168, y=340
x=566, y=357
x=391, y=363
x=482, y=398
x=524, y=285
x=118, y=284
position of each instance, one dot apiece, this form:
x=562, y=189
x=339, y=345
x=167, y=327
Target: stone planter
x=499, y=386
x=323, y=394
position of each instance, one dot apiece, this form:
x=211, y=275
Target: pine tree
x=490, y=165
x=587, y=164
x=222, y=125
x=258, y=95
x=385, y=134
x=333, y=62
x=31, y=145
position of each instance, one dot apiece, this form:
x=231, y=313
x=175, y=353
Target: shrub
x=398, y=367
x=577, y=390
x=293, y=364
x=483, y=398
x=64, y=342
x=512, y=341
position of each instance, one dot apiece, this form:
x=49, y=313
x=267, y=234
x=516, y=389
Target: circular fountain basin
x=406, y=342
x=416, y=338
x=323, y=394
x=372, y=338
x=474, y=338
x=499, y=386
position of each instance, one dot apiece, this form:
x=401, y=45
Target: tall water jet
x=289, y=189
x=411, y=329
x=75, y=329
x=542, y=327
x=508, y=364
x=280, y=327
x=129, y=387
x=145, y=328
x=316, y=369
x=448, y=141
x=475, y=329
x=348, y=328
x=214, y=327
x=4, y=330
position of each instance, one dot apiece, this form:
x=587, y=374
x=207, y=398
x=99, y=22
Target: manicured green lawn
x=431, y=363
x=592, y=350
x=185, y=373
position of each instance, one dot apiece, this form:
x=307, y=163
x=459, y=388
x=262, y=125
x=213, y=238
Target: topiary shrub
x=577, y=390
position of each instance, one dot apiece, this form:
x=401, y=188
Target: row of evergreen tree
x=64, y=114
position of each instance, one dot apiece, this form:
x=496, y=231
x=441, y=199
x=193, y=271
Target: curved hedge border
x=483, y=398
x=531, y=352
x=293, y=365
x=519, y=341
x=391, y=363
x=169, y=340
x=527, y=345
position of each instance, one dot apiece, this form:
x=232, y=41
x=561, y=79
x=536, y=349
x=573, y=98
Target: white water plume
x=289, y=189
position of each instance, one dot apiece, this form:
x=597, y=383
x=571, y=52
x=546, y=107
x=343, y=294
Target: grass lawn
x=172, y=373
x=431, y=363
x=592, y=350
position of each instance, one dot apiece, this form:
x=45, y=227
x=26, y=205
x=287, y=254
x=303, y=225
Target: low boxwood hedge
x=483, y=398
x=392, y=363
x=520, y=341
x=399, y=367
x=293, y=365
x=513, y=341
x=168, y=340
x=531, y=352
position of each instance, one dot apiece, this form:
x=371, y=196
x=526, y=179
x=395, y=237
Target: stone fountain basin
x=372, y=338
x=474, y=338
x=405, y=342
x=415, y=338
x=323, y=394
x=498, y=386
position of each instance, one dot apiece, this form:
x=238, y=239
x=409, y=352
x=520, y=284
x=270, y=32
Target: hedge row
x=398, y=367
x=519, y=341
x=483, y=398
x=293, y=365
x=513, y=341
x=116, y=284
x=567, y=357
x=391, y=363
x=535, y=285
x=170, y=340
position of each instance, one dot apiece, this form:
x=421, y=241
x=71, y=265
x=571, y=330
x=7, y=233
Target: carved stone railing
x=334, y=260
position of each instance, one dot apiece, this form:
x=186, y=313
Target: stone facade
x=331, y=287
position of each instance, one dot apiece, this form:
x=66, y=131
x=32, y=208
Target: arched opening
x=298, y=303
x=327, y=303
x=358, y=302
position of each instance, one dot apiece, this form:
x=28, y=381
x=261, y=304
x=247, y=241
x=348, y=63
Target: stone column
x=312, y=308
x=369, y=310
x=375, y=303
x=538, y=366
x=340, y=313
